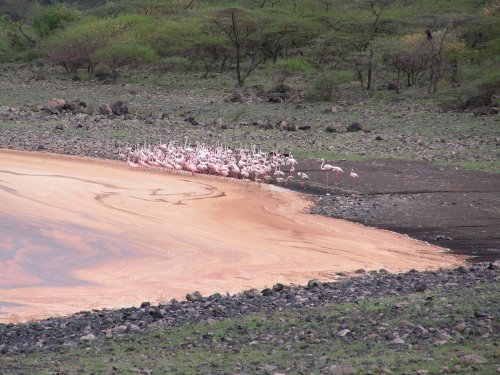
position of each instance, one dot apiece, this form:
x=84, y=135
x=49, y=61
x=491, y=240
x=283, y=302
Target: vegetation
x=441, y=48
x=306, y=340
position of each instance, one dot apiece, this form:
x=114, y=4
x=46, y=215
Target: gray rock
x=355, y=127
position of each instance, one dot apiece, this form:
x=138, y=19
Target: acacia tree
x=242, y=32
x=77, y=45
x=376, y=8
x=119, y=55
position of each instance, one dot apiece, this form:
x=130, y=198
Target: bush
x=286, y=68
x=173, y=63
x=327, y=85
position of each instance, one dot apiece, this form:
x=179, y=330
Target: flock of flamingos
x=246, y=164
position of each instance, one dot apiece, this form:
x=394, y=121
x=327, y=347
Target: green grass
x=296, y=341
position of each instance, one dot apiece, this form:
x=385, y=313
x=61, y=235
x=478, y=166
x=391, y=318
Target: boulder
x=119, y=108
x=105, y=110
x=55, y=106
x=355, y=127
x=477, y=101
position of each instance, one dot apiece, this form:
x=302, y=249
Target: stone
x=119, y=108
x=88, y=337
x=343, y=332
x=278, y=287
x=55, y=106
x=330, y=129
x=355, y=127
x=105, y=110
x=195, y=296
x=341, y=370
x=236, y=98
x=398, y=340
x=473, y=358
x=267, y=292
x=314, y=283
x=420, y=287
x=460, y=327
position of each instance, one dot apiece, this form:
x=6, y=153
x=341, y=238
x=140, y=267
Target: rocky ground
x=375, y=312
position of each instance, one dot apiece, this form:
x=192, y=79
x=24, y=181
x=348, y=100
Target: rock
x=360, y=271
x=341, y=370
x=343, y=333
x=477, y=101
x=331, y=109
x=55, y=106
x=473, y=358
x=355, y=127
x=398, y=340
x=314, y=283
x=119, y=108
x=88, y=337
x=378, y=138
x=269, y=369
x=330, y=129
x=251, y=293
x=460, y=327
x=266, y=126
x=195, y=296
x=277, y=97
x=278, y=287
x=220, y=123
x=236, y=98
x=420, y=287
x=40, y=147
x=267, y=292
x=105, y=110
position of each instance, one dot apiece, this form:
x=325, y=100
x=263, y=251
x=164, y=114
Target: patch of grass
x=295, y=341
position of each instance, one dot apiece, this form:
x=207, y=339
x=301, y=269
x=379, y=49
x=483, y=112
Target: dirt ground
x=453, y=208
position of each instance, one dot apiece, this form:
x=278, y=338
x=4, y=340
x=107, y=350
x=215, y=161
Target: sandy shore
x=81, y=233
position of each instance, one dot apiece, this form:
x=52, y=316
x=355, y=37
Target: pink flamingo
x=338, y=171
x=354, y=176
x=131, y=164
x=327, y=168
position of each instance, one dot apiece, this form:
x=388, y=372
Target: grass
x=294, y=341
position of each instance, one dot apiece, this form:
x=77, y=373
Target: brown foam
x=82, y=233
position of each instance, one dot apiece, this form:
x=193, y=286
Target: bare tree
x=243, y=35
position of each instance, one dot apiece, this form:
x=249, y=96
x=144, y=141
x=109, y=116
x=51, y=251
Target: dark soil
x=449, y=207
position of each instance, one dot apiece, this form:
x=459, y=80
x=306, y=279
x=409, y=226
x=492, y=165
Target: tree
x=242, y=32
x=376, y=8
x=48, y=19
x=127, y=52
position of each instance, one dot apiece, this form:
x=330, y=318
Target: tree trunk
x=370, y=71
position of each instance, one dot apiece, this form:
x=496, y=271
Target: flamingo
x=327, y=168
x=338, y=171
x=354, y=176
x=303, y=176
